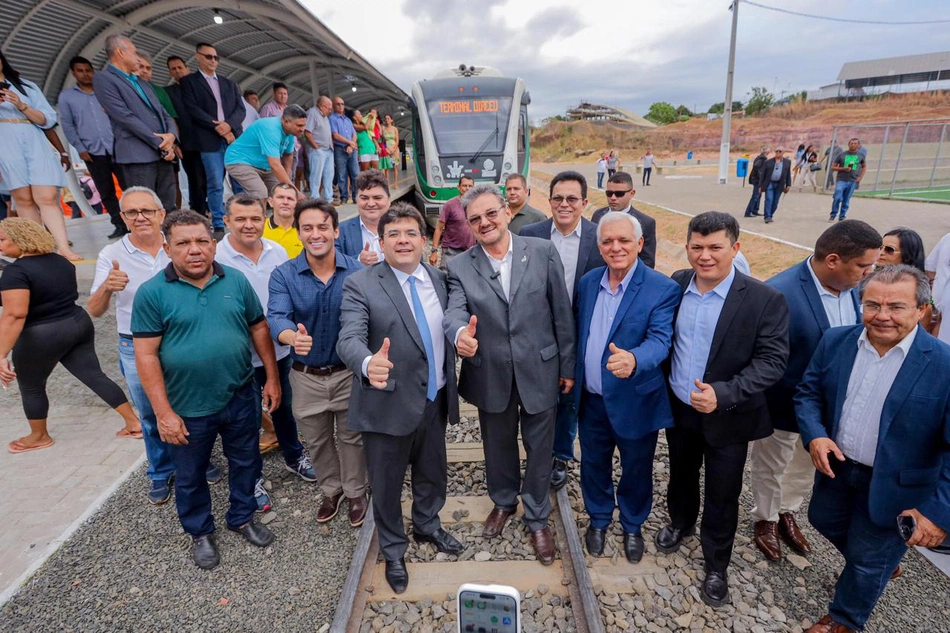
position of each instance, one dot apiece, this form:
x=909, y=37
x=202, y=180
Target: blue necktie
x=426, y=338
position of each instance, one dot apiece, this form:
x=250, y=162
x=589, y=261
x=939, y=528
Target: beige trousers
x=320, y=407
x=782, y=474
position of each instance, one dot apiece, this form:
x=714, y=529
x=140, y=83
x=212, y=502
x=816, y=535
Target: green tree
x=661, y=113
x=761, y=101
x=719, y=108
x=683, y=111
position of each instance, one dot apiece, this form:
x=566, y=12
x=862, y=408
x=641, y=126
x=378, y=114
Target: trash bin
x=742, y=168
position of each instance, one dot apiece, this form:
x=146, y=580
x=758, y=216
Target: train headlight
x=437, y=181
x=507, y=165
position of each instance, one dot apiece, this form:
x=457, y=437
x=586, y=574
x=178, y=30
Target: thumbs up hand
x=117, y=279
x=621, y=363
x=368, y=257
x=703, y=400
x=302, y=341
x=377, y=370
x=466, y=345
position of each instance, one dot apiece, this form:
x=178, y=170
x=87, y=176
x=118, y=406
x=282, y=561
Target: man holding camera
x=874, y=412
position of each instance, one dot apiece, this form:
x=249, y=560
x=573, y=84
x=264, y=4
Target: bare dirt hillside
x=808, y=122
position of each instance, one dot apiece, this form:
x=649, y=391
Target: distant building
x=908, y=73
x=594, y=112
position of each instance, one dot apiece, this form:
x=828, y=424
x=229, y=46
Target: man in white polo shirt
x=245, y=249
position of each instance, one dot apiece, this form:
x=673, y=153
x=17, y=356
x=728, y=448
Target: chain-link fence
x=905, y=159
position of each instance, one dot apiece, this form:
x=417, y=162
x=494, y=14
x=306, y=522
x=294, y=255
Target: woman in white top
x=601, y=170
x=647, y=167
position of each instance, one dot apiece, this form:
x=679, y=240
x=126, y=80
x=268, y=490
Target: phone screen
x=487, y=613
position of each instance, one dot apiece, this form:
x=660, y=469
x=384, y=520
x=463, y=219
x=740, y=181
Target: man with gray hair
x=144, y=134
x=319, y=143
x=625, y=328
x=874, y=412
x=510, y=316
x=263, y=155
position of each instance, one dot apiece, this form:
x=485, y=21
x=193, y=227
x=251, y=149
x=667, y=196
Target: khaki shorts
x=255, y=182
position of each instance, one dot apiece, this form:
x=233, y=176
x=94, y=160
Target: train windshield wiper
x=493, y=135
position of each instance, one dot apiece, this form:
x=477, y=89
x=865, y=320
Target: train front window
x=470, y=125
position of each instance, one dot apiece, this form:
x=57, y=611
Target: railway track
x=572, y=577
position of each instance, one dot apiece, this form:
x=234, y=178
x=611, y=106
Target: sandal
x=16, y=446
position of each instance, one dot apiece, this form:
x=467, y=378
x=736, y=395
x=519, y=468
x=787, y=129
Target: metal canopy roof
x=260, y=42
x=897, y=70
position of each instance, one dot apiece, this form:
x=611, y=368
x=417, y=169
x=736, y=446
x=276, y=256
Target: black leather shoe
x=558, y=474
x=594, y=539
x=669, y=539
x=715, y=591
x=255, y=533
x=633, y=547
x=204, y=551
x=397, y=575
x=443, y=541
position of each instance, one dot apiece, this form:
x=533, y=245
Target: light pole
x=727, y=111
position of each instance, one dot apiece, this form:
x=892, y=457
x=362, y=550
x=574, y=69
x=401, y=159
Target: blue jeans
x=634, y=493
x=239, y=424
x=843, y=191
x=839, y=511
x=565, y=427
x=284, y=424
x=773, y=191
x=321, y=171
x=214, y=176
x=600, y=180
x=755, y=202
x=160, y=466
x=347, y=169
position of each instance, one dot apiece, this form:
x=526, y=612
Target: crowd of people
x=128, y=131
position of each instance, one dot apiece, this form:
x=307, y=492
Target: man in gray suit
x=144, y=134
x=510, y=317
x=404, y=391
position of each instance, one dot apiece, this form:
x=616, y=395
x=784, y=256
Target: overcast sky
x=630, y=53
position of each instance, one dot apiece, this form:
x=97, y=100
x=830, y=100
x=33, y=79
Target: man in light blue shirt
x=344, y=150
x=88, y=129
x=262, y=156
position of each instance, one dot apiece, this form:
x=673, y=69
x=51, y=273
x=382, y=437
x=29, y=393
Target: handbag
x=814, y=167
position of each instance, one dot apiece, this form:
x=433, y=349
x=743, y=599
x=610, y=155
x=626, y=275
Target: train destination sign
x=468, y=106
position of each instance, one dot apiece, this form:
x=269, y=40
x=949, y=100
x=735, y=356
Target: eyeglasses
x=210, y=57
x=571, y=200
x=890, y=250
x=617, y=194
x=134, y=213
x=897, y=310
x=491, y=215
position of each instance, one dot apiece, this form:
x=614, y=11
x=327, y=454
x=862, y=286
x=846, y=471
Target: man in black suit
x=752, y=209
x=620, y=193
x=775, y=178
x=575, y=239
x=190, y=151
x=404, y=391
x=215, y=110
x=730, y=344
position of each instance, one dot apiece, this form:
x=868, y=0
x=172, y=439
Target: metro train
x=468, y=121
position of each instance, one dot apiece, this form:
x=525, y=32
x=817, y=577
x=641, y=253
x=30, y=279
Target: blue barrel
x=689, y=156
x=742, y=168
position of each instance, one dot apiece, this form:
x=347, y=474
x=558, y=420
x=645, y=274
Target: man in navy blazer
x=775, y=178
x=820, y=294
x=215, y=113
x=358, y=236
x=874, y=412
x=144, y=135
x=625, y=327
x=575, y=239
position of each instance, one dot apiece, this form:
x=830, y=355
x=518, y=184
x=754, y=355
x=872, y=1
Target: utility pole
x=727, y=112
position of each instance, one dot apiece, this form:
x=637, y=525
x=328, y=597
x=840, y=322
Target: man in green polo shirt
x=192, y=326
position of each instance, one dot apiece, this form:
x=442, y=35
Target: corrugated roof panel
x=894, y=66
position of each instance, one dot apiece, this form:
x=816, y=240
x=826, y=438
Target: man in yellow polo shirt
x=280, y=226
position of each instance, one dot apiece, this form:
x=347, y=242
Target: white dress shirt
x=258, y=274
x=134, y=262
x=568, y=247
x=372, y=239
x=434, y=315
x=839, y=308
x=871, y=379
x=502, y=266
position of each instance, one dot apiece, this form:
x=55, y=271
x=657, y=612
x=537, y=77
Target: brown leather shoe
x=495, y=522
x=827, y=625
x=543, y=542
x=793, y=537
x=329, y=507
x=766, y=539
x=358, y=507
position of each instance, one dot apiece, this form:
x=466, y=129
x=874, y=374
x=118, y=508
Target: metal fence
x=906, y=159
